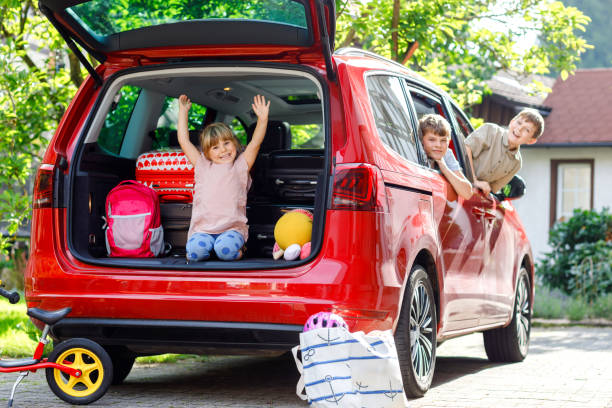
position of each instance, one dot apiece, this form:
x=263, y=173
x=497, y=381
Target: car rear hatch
x=181, y=30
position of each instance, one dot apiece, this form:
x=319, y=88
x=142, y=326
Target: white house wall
x=534, y=206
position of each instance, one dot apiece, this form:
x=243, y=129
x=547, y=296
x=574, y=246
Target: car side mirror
x=513, y=190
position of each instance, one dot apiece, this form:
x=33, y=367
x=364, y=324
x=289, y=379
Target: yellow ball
x=293, y=228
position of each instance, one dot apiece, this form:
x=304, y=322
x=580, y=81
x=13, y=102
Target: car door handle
x=478, y=211
x=489, y=215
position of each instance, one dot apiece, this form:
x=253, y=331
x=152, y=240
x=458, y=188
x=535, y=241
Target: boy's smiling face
x=223, y=152
x=435, y=145
x=520, y=131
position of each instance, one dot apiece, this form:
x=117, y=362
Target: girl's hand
x=260, y=107
x=184, y=102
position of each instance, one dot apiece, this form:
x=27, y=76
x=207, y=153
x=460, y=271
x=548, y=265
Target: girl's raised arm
x=261, y=109
x=182, y=131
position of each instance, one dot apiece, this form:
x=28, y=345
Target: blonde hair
x=533, y=116
x=215, y=133
x=434, y=123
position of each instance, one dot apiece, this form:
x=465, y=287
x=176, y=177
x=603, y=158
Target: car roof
x=356, y=57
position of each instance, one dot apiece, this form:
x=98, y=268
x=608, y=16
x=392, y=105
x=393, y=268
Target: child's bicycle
x=78, y=370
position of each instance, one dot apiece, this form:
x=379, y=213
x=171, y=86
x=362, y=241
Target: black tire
x=94, y=362
x=417, y=316
x=123, y=361
x=511, y=343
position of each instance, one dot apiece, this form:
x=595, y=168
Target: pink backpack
x=133, y=221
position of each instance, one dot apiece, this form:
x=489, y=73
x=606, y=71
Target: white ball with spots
x=292, y=252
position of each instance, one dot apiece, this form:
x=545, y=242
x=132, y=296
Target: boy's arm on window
x=456, y=178
x=468, y=151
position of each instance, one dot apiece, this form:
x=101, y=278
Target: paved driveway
x=566, y=367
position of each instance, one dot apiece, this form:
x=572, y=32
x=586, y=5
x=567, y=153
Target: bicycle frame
x=41, y=362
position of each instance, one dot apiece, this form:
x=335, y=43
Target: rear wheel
x=123, y=361
x=95, y=365
x=511, y=343
x=415, y=336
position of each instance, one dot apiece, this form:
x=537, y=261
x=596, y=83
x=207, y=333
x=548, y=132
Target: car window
x=464, y=127
x=307, y=136
x=117, y=119
x=166, y=124
x=238, y=130
x=392, y=115
x=104, y=17
x=425, y=104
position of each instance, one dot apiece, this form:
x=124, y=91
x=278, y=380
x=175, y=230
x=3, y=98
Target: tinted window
x=425, y=104
x=105, y=17
x=464, y=125
x=117, y=119
x=307, y=136
x=166, y=124
x=238, y=129
x=392, y=116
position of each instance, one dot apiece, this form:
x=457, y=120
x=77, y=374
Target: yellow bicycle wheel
x=94, y=363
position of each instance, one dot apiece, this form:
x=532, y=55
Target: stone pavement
x=566, y=368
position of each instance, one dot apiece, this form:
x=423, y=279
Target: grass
x=14, y=328
x=553, y=304
x=170, y=358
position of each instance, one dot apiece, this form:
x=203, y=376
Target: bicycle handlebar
x=12, y=297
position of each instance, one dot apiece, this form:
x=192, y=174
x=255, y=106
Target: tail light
x=43, y=187
x=359, y=187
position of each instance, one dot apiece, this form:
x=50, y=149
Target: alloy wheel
x=421, y=333
x=523, y=316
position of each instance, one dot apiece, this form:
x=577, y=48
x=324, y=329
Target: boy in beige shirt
x=494, y=151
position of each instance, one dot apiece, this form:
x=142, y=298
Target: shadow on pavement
x=450, y=368
x=227, y=375
x=246, y=375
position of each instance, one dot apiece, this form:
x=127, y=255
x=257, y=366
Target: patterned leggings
x=227, y=245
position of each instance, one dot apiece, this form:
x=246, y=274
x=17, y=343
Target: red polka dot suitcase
x=169, y=173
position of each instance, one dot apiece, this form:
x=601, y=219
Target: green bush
x=579, y=263
x=577, y=309
x=548, y=303
x=13, y=265
x=603, y=307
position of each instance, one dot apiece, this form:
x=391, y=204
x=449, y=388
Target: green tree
x=459, y=44
x=33, y=97
x=598, y=33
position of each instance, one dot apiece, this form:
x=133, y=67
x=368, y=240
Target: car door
x=498, y=260
x=461, y=229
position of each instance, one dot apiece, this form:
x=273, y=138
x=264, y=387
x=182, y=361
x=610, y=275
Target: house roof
x=581, y=109
x=515, y=90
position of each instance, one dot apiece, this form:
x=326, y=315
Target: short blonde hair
x=434, y=123
x=215, y=133
x=533, y=116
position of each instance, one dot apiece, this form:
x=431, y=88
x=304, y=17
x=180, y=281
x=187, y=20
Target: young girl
x=218, y=219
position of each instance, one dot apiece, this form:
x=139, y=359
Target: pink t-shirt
x=220, y=196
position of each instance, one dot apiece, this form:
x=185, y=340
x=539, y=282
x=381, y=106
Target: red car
x=393, y=246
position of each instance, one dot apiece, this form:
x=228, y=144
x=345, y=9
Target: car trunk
x=136, y=113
